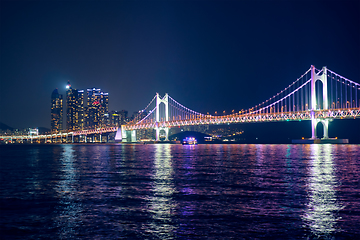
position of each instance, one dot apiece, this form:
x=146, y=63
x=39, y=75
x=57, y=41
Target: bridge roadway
x=59, y=137
x=341, y=113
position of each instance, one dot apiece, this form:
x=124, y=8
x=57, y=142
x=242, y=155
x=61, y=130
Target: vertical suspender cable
x=331, y=91
x=301, y=96
x=336, y=94
x=289, y=106
x=281, y=103
x=341, y=95
x=297, y=96
x=350, y=95
x=306, y=94
x=356, y=99
x=345, y=94
x=293, y=94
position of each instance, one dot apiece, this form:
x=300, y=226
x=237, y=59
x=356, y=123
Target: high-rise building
x=74, y=108
x=56, y=112
x=137, y=116
x=124, y=117
x=80, y=112
x=116, y=118
x=97, y=108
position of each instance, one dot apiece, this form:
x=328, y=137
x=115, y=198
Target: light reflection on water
x=322, y=209
x=180, y=192
x=162, y=206
x=68, y=209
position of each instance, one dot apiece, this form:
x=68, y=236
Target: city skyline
x=84, y=109
x=211, y=56
x=340, y=102
x=56, y=112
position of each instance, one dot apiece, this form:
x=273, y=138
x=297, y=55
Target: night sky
x=208, y=55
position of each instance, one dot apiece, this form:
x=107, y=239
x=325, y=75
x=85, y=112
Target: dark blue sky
x=208, y=55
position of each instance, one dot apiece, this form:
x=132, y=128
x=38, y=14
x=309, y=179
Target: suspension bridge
x=318, y=95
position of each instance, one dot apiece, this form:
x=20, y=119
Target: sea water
x=168, y=191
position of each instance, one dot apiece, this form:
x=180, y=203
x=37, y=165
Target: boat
x=189, y=141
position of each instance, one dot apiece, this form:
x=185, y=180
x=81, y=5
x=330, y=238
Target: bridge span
x=319, y=95
x=98, y=135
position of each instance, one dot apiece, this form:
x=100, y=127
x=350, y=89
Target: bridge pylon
x=124, y=135
x=165, y=101
x=315, y=102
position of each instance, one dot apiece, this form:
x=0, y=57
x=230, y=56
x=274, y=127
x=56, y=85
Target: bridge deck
x=247, y=118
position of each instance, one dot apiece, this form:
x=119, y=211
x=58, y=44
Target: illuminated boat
x=189, y=141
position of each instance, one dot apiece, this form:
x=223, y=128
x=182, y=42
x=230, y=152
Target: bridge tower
x=164, y=100
x=314, y=102
x=122, y=135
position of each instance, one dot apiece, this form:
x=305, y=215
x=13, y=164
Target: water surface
x=180, y=192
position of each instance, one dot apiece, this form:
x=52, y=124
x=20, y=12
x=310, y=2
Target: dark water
x=180, y=192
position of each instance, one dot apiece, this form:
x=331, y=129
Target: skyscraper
x=97, y=108
x=74, y=109
x=56, y=112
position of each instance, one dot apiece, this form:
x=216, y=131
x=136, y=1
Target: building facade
x=97, y=108
x=56, y=112
x=74, y=109
x=83, y=111
x=117, y=118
